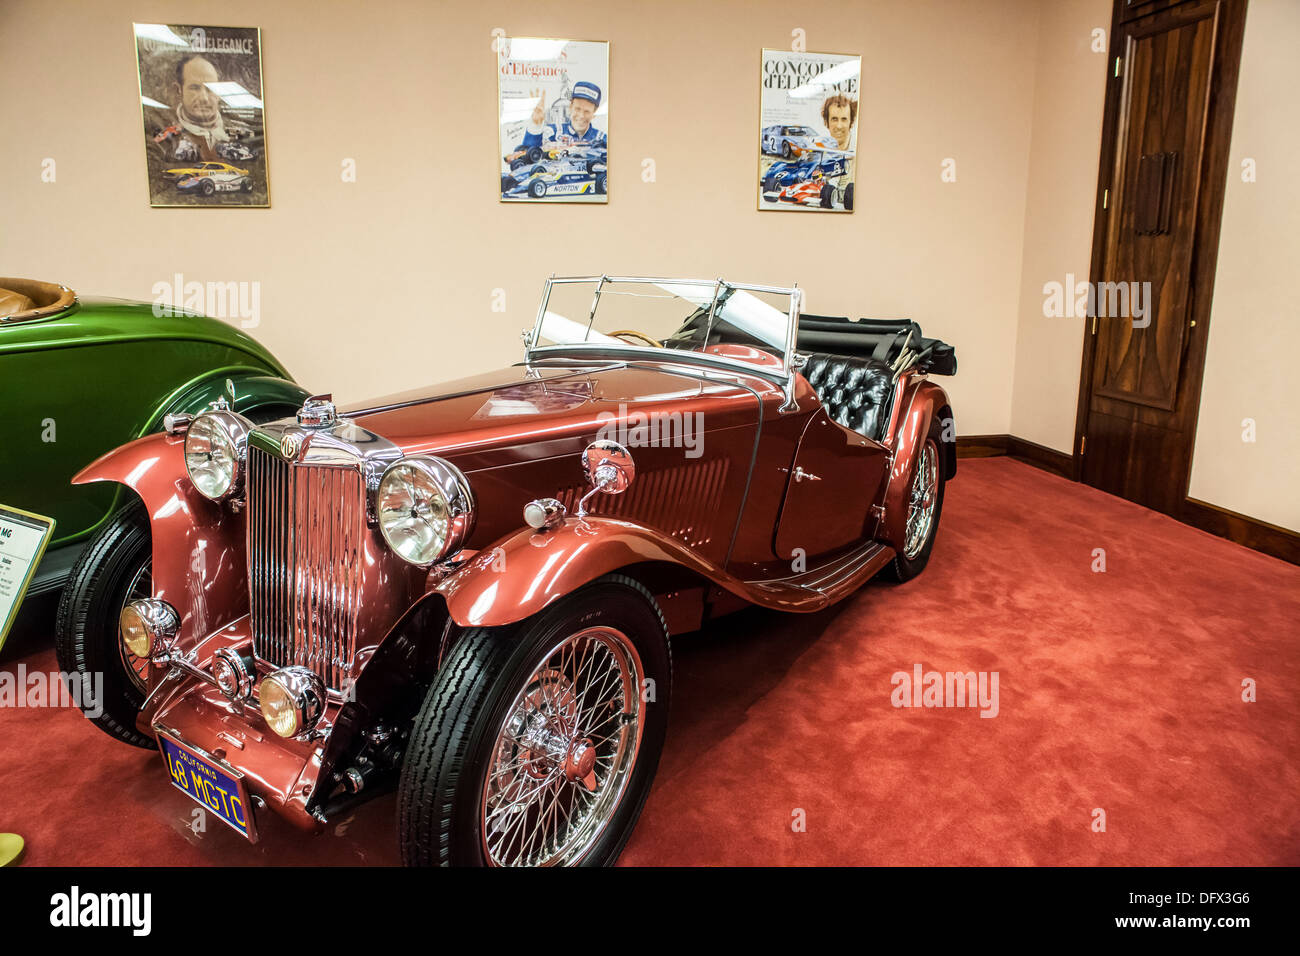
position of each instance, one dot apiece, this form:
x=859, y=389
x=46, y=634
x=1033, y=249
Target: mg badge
x=290, y=445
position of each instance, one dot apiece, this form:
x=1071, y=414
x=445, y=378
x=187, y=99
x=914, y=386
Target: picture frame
x=203, y=114
x=808, y=130
x=553, y=119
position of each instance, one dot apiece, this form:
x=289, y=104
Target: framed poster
x=23, y=537
x=808, y=114
x=204, y=119
x=553, y=109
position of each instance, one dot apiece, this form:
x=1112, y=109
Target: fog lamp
x=148, y=626
x=292, y=701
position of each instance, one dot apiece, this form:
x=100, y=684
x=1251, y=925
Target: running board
x=824, y=585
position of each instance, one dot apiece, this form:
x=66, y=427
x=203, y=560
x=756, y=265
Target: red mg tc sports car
x=469, y=592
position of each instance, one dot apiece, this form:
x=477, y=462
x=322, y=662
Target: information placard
x=23, y=537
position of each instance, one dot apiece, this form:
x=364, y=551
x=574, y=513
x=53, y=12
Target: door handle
x=801, y=475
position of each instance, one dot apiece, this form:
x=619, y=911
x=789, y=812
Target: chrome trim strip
x=646, y=353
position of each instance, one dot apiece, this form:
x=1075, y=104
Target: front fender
x=526, y=572
x=198, y=548
x=254, y=391
x=926, y=401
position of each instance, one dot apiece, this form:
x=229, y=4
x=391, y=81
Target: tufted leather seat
x=854, y=391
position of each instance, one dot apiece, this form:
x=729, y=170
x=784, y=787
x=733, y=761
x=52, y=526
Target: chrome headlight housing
x=425, y=509
x=148, y=626
x=292, y=700
x=216, y=448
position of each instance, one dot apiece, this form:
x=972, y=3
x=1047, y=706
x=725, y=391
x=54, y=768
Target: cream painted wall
x=387, y=283
x=1069, y=94
x=1255, y=316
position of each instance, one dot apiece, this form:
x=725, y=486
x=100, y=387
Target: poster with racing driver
x=553, y=98
x=808, y=137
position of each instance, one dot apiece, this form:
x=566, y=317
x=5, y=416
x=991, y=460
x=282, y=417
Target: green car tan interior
x=80, y=376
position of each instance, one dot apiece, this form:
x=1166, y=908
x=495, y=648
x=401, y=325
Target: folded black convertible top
x=881, y=339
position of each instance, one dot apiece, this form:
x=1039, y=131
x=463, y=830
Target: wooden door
x=1162, y=179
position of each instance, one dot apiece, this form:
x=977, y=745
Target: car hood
x=522, y=413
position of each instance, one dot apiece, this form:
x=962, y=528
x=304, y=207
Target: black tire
x=86, y=639
x=848, y=197
x=537, y=189
x=440, y=821
x=602, y=183
x=826, y=195
x=785, y=149
x=207, y=188
x=534, y=154
x=903, y=568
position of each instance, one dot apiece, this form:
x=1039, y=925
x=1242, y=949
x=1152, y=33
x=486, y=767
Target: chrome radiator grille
x=305, y=541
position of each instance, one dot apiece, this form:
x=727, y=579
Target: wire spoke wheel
x=921, y=503
x=565, y=752
x=141, y=586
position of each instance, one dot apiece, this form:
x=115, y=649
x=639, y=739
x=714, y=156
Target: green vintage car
x=79, y=377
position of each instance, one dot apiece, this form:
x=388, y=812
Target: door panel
x=1164, y=164
x=836, y=476
x=1158, y=165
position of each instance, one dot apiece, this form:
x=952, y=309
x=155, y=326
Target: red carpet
x=1118, y=690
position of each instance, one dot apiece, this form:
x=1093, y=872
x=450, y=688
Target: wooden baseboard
x=1032, y=453
x=1244, y=530
x=1048, y=459
x=1255, y=534
x=981, y=446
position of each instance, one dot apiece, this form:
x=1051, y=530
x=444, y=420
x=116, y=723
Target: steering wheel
x=638, y=335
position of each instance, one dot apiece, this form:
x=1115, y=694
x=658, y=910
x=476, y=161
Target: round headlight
x=134, y=634
x=425, y=509
x=292, y=700
x=215, y=448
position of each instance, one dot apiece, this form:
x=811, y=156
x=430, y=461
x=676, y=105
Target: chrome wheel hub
x=920, y=506
x=565, y=752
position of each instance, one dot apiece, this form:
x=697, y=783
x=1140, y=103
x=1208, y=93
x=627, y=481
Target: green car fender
x=101, y=373
x=249, y=391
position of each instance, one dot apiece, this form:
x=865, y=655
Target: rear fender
x=925, y=407
x=198, y=547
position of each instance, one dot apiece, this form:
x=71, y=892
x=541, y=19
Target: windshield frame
x=784, y=376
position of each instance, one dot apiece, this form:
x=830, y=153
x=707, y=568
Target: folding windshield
x=604, y=314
